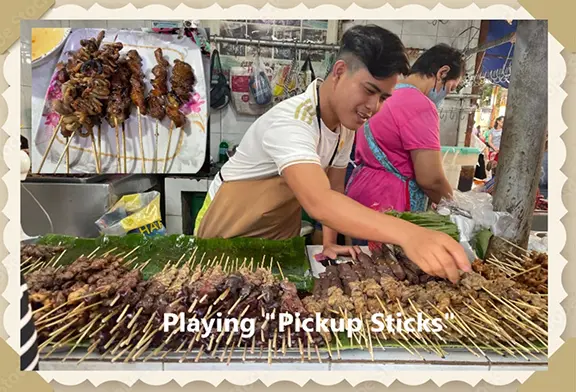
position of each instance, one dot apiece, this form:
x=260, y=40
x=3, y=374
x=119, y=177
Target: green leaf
x=290, y=254
x=482, y=240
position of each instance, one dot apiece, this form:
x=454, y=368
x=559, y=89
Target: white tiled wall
x=174, y=186
x=422, y=34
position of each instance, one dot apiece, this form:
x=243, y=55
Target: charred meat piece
x=156, y=100
x=160, y=72
x=182, y=80
x=173, y=110
x=156, y=106
x=136, y=80
x=118, y=109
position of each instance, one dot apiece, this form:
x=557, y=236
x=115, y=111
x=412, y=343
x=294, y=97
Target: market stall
x=113, y=290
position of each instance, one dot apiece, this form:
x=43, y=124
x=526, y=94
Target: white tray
x=188, y=145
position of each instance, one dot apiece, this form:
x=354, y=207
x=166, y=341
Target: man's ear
x=339, y=68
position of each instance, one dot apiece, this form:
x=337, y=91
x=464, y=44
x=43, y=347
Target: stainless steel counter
x=73, y=207
x=392, y=358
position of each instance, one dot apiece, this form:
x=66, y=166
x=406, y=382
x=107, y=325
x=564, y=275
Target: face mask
x=438, y=97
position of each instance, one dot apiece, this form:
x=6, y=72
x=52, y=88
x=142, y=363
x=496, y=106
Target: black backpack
x=219, y=87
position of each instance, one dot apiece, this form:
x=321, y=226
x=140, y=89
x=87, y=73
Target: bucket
x=463, y=156
x=453, y=158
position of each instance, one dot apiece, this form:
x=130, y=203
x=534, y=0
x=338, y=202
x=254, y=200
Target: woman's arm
x=430, y=174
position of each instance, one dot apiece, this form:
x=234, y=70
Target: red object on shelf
x=541, y=203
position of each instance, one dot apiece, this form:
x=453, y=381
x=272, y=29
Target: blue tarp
x=498, y=29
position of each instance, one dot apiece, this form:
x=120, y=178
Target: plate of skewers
x=122, y=101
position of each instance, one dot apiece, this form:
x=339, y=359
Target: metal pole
x=274, y=43
x=284, y=43
x=490, y=45
x=524, y=133
x=476, y=89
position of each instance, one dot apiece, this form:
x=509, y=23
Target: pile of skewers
x=490, y=308
x=99, y=300
x=98, y=82
x=103, y=302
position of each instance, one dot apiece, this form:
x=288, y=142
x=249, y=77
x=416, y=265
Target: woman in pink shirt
x=399, y=164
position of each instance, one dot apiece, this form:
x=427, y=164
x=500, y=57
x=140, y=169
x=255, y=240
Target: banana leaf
x=430, y=220
x=290, y=254
x=482, y=240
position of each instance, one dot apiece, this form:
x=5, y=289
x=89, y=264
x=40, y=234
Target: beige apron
x=264, y=208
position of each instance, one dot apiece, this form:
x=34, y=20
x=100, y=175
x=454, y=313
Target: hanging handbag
x=219, y=87
x=307, y=67
x=306, y=75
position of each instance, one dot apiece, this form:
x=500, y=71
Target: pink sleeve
x=421, y=131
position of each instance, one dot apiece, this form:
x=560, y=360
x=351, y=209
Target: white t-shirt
x=286, y=135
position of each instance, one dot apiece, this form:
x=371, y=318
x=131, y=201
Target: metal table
x=74, y=203
x=350, y=360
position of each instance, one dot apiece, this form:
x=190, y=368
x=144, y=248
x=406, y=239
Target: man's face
x=358, y=95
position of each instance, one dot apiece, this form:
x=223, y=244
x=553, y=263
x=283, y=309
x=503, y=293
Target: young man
x=295, y=156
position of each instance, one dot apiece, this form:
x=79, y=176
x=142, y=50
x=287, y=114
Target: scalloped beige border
x=557, y=294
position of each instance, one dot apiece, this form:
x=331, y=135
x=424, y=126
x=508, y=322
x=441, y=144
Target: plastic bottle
x=222, y=152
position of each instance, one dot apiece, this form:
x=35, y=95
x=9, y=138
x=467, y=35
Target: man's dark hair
x=379, y=50
x=438, y=56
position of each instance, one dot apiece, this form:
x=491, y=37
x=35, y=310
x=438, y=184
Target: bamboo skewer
x=64, y=153
x=141, y=141
x=199, y=354
x=119, y=161
x=90, y=351
x=50, y=144
x=91, y=254
x=523, y=272
x=132, y=251
x=90, y=326
x=66, y=339
x=168, y=146
x=100, y=145
x=124, y=145
x=156, y=134
x=22, y=264
x=96, y=160
x=188, y=349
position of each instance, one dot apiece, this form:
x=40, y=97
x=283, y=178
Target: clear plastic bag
x=538, y=244
x=473, y=212
x=260, y=87
x=135, y=213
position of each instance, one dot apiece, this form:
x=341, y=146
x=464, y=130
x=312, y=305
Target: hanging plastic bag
x=279, y=79
x=135, y=213
x=219, y=87
x=259, y=84
x=242, y=100
x=291, y=82
x=307, y=72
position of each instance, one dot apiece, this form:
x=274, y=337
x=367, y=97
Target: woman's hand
x=436, y=253
x=333, y=251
